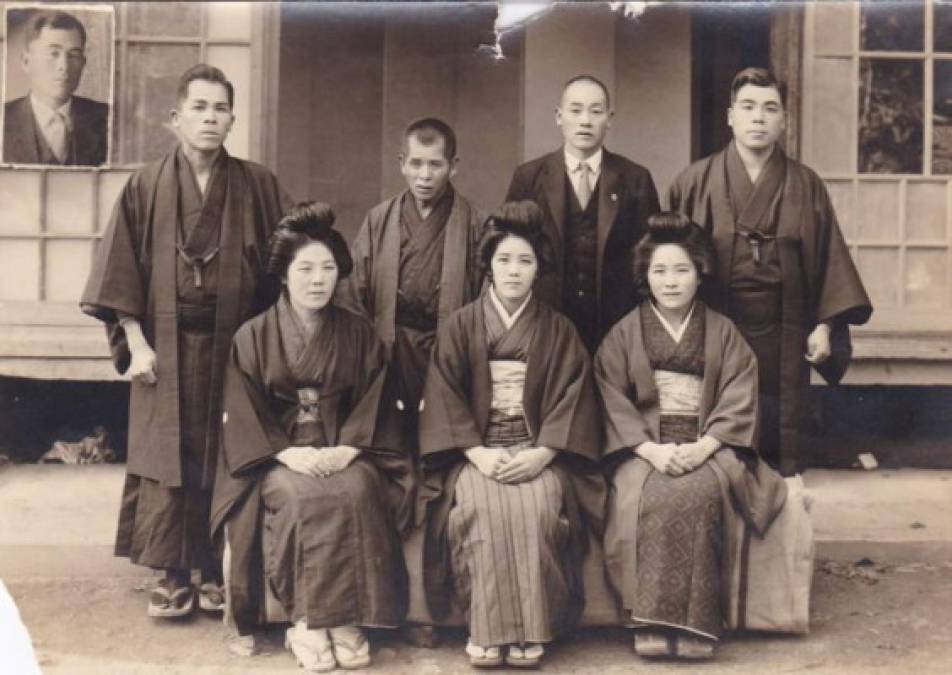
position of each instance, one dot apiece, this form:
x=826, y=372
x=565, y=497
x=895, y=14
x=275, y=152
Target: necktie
x=584, y=189
x=57, y=133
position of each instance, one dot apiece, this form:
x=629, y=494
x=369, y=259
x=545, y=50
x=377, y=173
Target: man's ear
x=558, y=116
x=25, y=60
x=454, y=165
x=174, y=117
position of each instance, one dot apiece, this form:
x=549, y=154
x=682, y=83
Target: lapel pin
x=614, y=197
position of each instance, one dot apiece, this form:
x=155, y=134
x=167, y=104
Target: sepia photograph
x=447, y=337
x=58, y=84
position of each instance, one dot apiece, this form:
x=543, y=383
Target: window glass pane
x=942, y=26
x=890, y=116
x=110, y=185
x=926, y=283
x=925, y=211
x=229, y=21
x=841, y=194
x=67, y=266
x=20, y=270
x=892, y=26
x=942, y=118
x=171, y=19
x=152, y=93
x=878, y=215
x=832, y=27
x=832, y=116
x=69, y=201
x=20, y=197
x=879, y=268
x=236, y=64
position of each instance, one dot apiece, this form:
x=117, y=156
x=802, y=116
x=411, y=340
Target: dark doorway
x=725, y=38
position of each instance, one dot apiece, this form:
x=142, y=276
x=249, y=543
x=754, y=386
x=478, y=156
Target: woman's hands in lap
x=498, y=464
x=677, y=459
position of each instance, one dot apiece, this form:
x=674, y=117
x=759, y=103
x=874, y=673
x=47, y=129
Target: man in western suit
x=50, y=125
x=596, y=204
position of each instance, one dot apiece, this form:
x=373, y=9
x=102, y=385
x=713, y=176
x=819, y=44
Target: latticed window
x=877, y=126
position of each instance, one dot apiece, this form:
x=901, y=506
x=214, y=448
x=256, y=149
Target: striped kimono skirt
x=508, y=542
x=678, y=519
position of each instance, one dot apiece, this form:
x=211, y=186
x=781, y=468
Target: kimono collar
x=675, y=333
x=508, y=319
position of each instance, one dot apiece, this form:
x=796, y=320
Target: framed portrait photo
x=58, y=83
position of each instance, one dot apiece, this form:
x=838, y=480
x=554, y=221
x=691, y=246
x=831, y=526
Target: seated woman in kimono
x=309, y=462
x=509, y=438
x=678, y=386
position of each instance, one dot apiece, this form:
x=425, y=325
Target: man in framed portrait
x=50, y=124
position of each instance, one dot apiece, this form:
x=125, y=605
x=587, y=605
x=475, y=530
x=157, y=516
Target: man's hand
x=524, y=465
x=142, y=367
x=304, y=459
x=818, y=344
x=486, y=459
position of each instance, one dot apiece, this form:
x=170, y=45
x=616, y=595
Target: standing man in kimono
x=180, y=267
x=784, y=271
x=415, y=260
x=596, y=206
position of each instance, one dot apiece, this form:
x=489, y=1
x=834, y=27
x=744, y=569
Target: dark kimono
x=331, y=551
x=509, y=556
x=410, y=273
x=663, y=540
x=190, y=268
x=783, y=267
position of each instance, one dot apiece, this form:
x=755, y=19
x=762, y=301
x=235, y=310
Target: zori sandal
x=211, y=597
x=351, y=647
x=483, y=657
x=525, y=656
x=166, y=604
x=311, y=648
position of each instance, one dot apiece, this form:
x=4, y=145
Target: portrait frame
x=92, y=101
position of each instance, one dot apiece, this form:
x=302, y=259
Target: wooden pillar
x=786, y=61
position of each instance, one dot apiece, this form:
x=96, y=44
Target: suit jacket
x=23, y=143
x=626, y=197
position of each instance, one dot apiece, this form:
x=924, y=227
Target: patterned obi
x=679, y=396
x=308, y=428
x=507, y=419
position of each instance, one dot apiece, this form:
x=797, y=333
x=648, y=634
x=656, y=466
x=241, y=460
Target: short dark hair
x=427, y=130
x=758, y=77
x=203, y=71
x=671, y=227
x=585, y=77
x=521, y=219
x=54, y=21
x=307, y=223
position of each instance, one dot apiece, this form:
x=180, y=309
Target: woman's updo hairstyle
x=519, y=219
x=304, y=224
x=674, y=228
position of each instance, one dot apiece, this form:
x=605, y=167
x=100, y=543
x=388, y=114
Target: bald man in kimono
x=596, y=205
x=180, y=267
x=784, y=271
x=415, y=260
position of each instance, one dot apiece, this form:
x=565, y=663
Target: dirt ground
x=878, y=616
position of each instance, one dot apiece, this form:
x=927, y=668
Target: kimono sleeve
x=570, y=418
x=250, y=432
x=626, y=427
x=732, y=419
x=447, y=421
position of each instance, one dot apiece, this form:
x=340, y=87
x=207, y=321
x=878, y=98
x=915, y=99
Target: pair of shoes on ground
x=321, y=650
x=516, y=656
x=169, y=600
x=651, y=643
